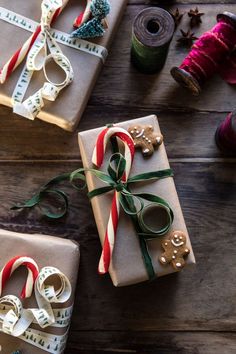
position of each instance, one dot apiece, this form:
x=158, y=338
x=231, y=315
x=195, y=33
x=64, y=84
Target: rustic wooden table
x=193, y=312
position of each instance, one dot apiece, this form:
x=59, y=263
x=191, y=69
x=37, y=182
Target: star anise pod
x=187, y=38
x=195, y=16
x=177, y=16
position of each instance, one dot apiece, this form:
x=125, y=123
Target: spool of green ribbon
x=152, y=32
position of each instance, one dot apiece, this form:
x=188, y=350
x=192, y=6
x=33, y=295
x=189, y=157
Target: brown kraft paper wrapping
x=46, y=251
x=127, y=266
x=66, y=111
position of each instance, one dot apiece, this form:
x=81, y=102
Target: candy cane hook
x=22, y=52
x=15, y=263
x=84, y=16
x=97, y=159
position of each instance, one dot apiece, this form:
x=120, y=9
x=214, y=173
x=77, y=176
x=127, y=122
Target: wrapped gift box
x=127, y=266
x=46, y=251
x=71, y=102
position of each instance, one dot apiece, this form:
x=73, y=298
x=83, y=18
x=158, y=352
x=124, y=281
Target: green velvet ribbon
x=49, y=191
x=133, y=204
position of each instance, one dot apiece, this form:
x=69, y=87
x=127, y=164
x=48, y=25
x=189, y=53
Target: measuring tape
x=61, y=37
x=16, y=320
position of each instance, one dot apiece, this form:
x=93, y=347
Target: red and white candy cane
x=15, y=263
x=97, y=159
x=84, y=16
x=22, y=52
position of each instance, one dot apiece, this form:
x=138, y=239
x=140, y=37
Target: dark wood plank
x=199, y=298
x=187, y=134
x=152, y=343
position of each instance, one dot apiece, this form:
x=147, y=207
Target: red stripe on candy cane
x=22, y=52
x=15, y=60
x=129, y=153
x=110, y=236
x=12, y=265
x=97, y=159
x=104, y=137
x=78, y=20
x=12, y=63
x=100, y=148
x=84, y=16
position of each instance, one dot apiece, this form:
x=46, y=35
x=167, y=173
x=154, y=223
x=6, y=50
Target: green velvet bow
x=133, y=204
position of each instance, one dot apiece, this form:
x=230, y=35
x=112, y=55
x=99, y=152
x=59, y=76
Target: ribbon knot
x=45, y=28
x=119, y=187
x=132, y=203
x=37, y=59
x=38, y=53
x=48, y=8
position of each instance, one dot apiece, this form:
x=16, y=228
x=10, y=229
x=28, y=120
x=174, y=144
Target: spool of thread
x=208, y=54
x=226, y=134
x=152, y=32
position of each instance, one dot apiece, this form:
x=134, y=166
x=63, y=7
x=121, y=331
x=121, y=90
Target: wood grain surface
x=189, y=313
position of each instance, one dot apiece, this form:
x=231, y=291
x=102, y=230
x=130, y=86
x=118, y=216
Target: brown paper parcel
x=46, y=251
x=66, y=111
x=127, y=266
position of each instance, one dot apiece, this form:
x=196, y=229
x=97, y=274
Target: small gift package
x=36, y=319
x=56, y=63
x=135, y=203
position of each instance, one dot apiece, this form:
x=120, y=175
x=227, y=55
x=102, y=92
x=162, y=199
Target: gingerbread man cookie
x=145, y=138
x=175, y=250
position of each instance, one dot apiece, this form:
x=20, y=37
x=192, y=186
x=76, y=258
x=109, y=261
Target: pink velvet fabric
x=213, y=52
x=227, y=132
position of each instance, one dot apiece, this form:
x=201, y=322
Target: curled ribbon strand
x=37, y=59
x=16, y=321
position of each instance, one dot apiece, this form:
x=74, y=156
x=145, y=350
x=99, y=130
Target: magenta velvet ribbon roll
x=226, y=133
x=213, y=52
